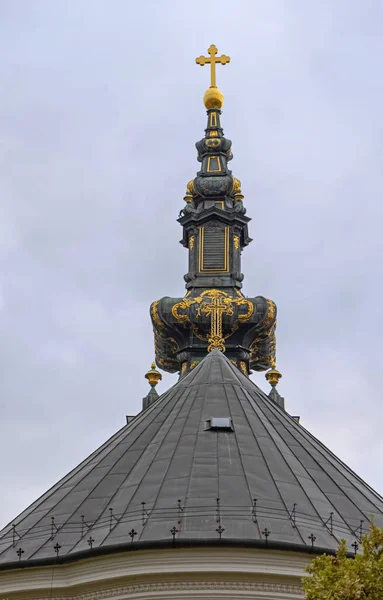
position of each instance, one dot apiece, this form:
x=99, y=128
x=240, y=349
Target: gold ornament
x=273, y=376
x=213, y=97
x=214, y=303
x=153, y=376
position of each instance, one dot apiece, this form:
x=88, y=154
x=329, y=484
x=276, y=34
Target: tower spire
x=214, y=314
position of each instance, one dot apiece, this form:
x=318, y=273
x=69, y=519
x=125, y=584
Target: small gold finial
x=213, y=97
x=153, y=376
x=273, y=376
x=188, y=198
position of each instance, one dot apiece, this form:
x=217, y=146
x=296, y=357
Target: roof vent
x=220, y=423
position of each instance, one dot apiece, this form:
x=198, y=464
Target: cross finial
x=213, y=97
x=220, y=531
x=213, y=60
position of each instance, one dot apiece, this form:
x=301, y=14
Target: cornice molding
x=229, y=564
x=294, y=591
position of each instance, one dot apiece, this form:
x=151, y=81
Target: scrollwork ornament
x=242, y=365
x=214, y=303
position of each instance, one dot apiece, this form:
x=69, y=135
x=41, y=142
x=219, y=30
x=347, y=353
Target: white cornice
x=235, y=564
x=186, y=589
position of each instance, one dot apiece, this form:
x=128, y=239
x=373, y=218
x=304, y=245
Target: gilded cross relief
x=214, y=304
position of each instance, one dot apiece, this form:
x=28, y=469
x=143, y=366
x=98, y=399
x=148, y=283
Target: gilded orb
x=213, y=98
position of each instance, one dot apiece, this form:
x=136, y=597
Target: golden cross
x=213, y=60
x=216, y=308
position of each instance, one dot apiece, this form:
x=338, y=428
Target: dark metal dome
x=213, y=460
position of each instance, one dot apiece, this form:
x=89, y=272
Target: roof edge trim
x=161, y=544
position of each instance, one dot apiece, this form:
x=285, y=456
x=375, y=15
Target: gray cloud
x=101, y=105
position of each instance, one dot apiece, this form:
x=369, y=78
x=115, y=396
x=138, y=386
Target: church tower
x=213, y=490
x=214, y=313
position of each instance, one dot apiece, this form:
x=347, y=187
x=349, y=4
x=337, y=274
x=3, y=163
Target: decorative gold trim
x=201, y=252
x=188, y=198
x=214, y=303
x=183, y=305
x=209, y=159
x=236, y=185
x=263, y=347
x=194, y=364
x=213, y=119
x=242, y=364
x=191, y=242
x=242, y=301
x=190, y=189
x=161, y=335
x=216, y=342
x=213, y=144
x=236, y=242
x=156, y=317
x=270, y=313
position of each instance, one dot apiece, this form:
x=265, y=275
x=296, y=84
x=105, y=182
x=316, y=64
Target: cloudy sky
x=101, y=104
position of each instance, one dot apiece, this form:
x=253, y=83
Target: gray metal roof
x=269, y=481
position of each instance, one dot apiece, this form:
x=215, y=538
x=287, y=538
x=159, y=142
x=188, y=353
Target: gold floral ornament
x=216, y=342
x=153, y=376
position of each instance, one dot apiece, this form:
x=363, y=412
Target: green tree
x=341, y=578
